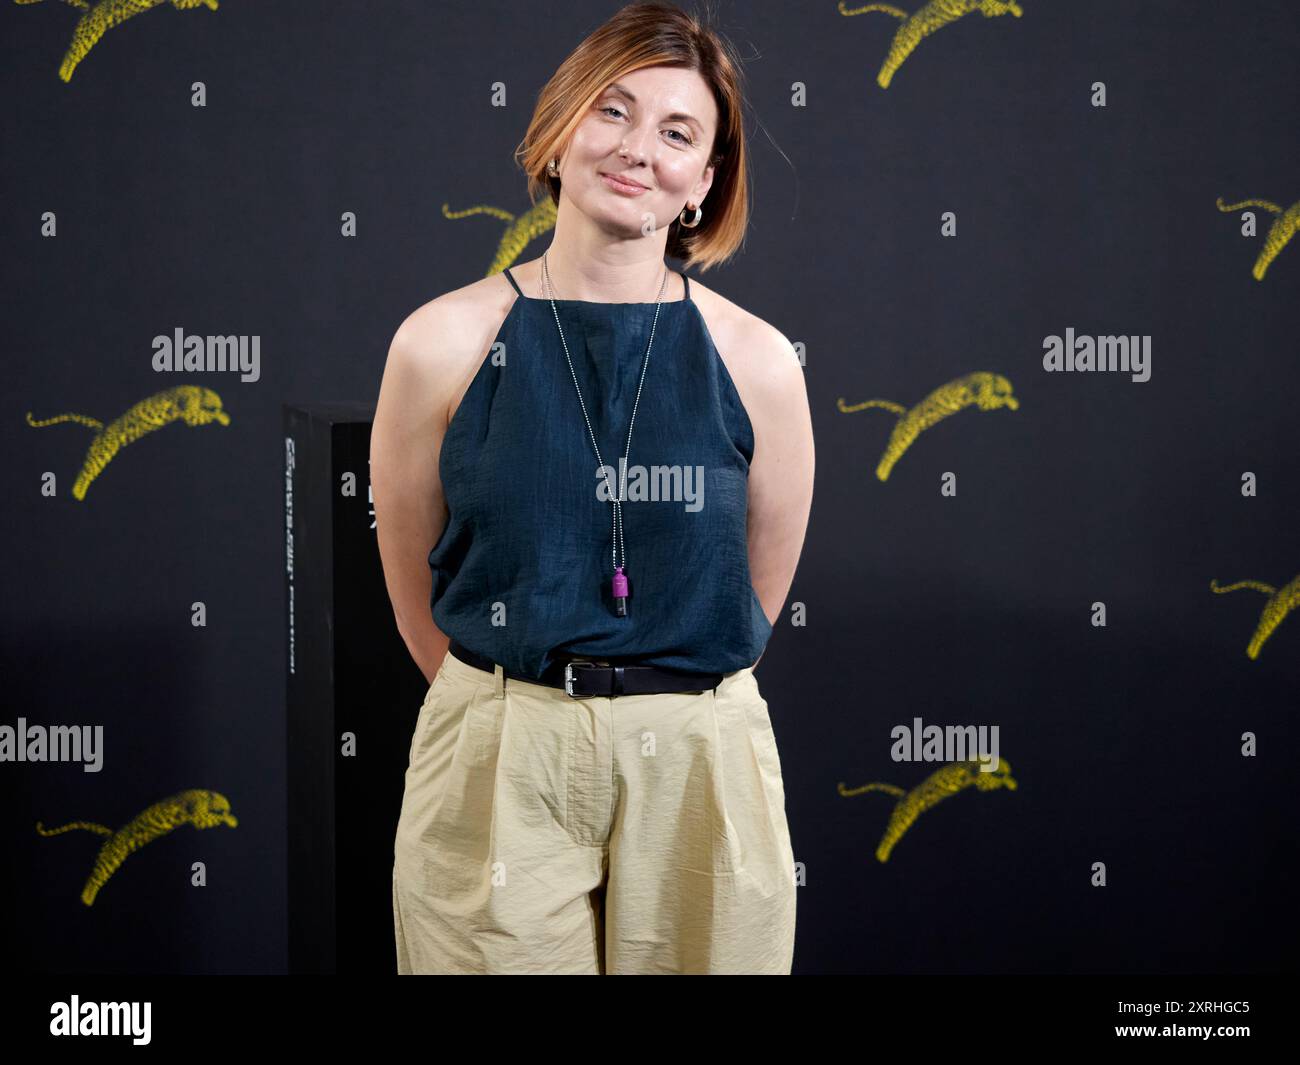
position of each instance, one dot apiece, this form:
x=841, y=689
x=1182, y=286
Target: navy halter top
x=521, y=573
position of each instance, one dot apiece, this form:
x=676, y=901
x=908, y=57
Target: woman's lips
x=623, y=187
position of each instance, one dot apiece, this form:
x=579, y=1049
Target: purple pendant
x=619, y=590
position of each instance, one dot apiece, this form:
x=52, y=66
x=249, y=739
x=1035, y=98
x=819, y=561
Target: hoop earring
x=692, y=224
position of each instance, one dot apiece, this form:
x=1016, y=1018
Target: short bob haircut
x=640, y=35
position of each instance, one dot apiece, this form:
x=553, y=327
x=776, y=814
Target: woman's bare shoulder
x=757, y=355
x=451, y=328
x=440, y=345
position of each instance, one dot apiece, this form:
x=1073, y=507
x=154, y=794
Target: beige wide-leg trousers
x=542, y=833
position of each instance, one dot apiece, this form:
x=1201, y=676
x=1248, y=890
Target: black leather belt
x=579, y=677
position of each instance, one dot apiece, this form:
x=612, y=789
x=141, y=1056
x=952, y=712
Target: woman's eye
x=611, y=109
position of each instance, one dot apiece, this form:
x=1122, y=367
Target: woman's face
x=665, y=118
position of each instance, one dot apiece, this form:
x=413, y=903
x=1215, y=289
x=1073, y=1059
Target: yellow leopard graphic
x=1279, y=605
x=102, y=17
x=987, y=391
x=202, y=809
x=192, y=404
x=537, y=220
x=933, y=16
x=1283, y=229
x=939, y=785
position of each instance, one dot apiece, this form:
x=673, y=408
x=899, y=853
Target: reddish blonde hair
x=649, y=34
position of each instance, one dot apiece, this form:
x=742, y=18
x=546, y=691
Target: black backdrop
x=1125, y=739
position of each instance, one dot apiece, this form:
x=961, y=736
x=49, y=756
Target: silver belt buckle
x=568, y=674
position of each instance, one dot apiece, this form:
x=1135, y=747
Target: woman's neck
x=602, y=275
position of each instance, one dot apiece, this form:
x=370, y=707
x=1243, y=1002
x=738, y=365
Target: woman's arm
x=405, y=442
x=781, y=473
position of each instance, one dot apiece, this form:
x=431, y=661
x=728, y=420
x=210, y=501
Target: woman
x=626, y=814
